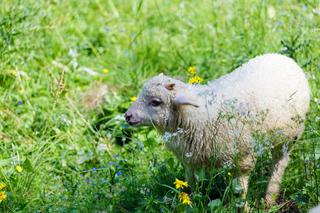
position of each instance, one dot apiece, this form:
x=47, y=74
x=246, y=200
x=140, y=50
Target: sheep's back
x=272, y=83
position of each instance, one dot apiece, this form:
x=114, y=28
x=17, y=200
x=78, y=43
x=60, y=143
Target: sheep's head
x=159, y=101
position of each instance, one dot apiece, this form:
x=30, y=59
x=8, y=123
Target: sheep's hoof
x=246, y=207
x=270, y=199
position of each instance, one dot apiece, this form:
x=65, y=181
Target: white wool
x=315, y=210
x=271, y=81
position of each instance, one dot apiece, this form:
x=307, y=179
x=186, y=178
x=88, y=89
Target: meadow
x=70, y=69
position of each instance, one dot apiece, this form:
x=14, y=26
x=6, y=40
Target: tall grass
x=84, y=160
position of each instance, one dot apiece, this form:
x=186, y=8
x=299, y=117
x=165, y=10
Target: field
x=70, y=69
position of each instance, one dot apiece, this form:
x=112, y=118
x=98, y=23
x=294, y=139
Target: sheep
x=212, y=125
x=315, y=209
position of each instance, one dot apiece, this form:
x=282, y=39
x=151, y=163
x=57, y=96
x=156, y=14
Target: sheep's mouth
x=133, y=123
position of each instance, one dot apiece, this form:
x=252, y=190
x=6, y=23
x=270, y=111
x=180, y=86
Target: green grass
x=73, y=158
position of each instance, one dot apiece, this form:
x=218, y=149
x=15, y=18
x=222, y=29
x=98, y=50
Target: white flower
x=271, y=12
x=102, y=147
x=88, y=70
x=72, y=53
x=189, y=154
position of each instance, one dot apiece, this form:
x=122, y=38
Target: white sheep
x=216, y=124
x=315, y=209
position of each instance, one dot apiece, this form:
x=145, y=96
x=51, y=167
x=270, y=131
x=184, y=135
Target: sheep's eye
x=155, y=102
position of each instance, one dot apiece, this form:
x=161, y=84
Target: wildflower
x=180, y=184
x=192, y=70
x=195, y=80
x=19, y=168
x=271, y=12
x=72, y=53
x=106, y=29
x=2, y=185
x=133, y=98
x=15, y=73
x=184, y=198
x=3, y=196
x=106, y=71
x=229, y=174
x=119, y=173
x=189, y=154
x=89, y=71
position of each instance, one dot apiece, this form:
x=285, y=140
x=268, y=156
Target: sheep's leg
x=247, y=164
x=190, y=176
x=244, y=182
x=244, y=179
x=275, y=180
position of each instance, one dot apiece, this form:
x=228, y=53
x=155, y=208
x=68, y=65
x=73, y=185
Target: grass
x=79, y=157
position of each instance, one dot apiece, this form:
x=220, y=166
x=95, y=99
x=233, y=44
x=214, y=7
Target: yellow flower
x=19, y=168
x=195, y=80
x=106, y=70
x=184, y=198
x=180, y=184
x=229, y=174
x=2, y=185
x=192, y=70
x=3, y=196
x=14, y=73
x=133, y=98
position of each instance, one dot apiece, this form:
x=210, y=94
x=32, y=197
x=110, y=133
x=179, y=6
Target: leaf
x=201, y=175
x=214, y=204
x=27, y=165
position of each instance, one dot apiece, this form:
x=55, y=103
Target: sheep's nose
x=128, y=115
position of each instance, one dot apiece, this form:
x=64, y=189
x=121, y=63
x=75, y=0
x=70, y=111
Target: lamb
x=315, y=209
x=211, y=125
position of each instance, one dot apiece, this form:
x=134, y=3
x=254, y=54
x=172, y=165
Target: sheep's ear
x=183, y=100
x=169, y=86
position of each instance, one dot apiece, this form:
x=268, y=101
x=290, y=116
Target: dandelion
x=106, y=70
x=180, y=184
x=184, y=198
x=3, y=196
x=19, y=169
x=2, y=185
x=195, y=80
x=133, y=98
x=192, y=70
